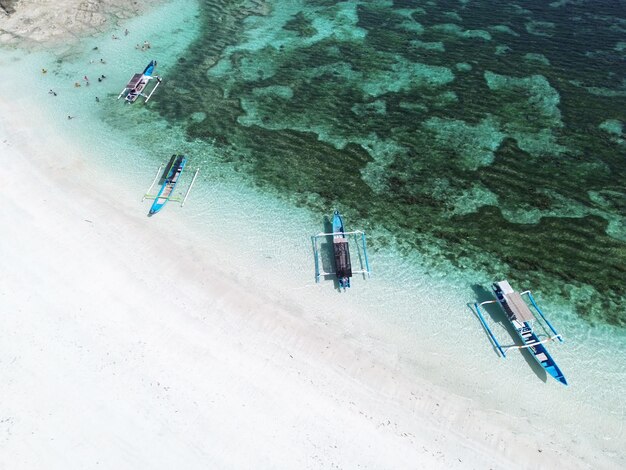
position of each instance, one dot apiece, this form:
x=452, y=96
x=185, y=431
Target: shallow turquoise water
x=415, y=132
x=487, y=137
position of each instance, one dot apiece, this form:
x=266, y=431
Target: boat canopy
x=516, y=304
x=342, y=258
x=505, y=287
x=519, y=307
x=134, y=81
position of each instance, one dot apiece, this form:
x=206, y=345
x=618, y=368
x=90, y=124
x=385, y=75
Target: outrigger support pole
x=532, y=345
x=367, y=264
x=532, y=300
x=189, y=189
x=154, y=181
x=356, y=232
x=317, y=261
x=158, y=79
x=482, y=320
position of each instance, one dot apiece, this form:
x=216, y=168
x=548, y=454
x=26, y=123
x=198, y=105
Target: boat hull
x=149, y=70
x=541, y=355
x=337, y=223
x=168, y=186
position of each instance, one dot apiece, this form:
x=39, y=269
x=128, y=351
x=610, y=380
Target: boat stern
x=555, y=372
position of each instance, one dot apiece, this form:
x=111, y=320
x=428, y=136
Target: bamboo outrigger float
x=169, y=180
x=341, y=251
x=139, y=83
x=522, y=318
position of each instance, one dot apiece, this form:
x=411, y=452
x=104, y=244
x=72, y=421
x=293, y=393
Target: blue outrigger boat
x=522, y=318
x=343, y=266
x=341, y=252
x=172, y=174
x=169, y=178
x=138, y=83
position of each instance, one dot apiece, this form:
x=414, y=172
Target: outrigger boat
x=522, y=318
x=169, y=179
x=343, y=266
x=139, y=82
x=341, y=251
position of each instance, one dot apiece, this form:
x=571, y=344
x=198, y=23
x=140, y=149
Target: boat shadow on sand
x=326, y=253
x=497, y=315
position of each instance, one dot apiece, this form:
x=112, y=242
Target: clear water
x=467, y=139
x=486, y=136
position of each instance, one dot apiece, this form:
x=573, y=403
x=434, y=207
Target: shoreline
x=251, y=340
x=45, y=23
x=218, y=362
x=110, y=328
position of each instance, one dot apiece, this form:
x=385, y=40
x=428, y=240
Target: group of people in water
x=144, y=47
x=86, y=78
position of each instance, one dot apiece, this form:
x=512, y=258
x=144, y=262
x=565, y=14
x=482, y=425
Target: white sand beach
x=127, y=343
x=123, y=346
x=109, y=362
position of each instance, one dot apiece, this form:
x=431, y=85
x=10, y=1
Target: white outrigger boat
x=523, y=319
x=139, y=83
